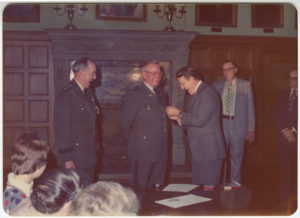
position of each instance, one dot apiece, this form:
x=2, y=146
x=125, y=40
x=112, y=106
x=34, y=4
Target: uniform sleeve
x=62, y=127
x=128, y=114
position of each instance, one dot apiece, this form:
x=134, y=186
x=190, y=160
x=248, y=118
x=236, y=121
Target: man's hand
x=172, y=112
x=288, y=133
x=250, y=137
x=70, y=165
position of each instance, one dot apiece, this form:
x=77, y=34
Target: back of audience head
x=29, y=154
x=53, y=190
x=105, y=198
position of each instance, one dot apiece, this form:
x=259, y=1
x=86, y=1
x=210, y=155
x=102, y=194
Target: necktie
x=86, y=93
x=293, y=98
x=229, y=99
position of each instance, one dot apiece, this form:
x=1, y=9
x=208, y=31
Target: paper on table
x=182, y=201
x=179, y=187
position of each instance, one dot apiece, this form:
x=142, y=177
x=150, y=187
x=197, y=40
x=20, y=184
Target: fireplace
x=119, y=56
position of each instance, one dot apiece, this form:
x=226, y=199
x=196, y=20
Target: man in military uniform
x=74, y=123
x=144, y=124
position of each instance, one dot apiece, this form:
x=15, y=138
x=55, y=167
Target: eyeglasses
x=293, y=78
x=228, y=69
x=154, y=73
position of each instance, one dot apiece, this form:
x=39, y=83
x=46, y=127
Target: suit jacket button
x=77, y=144
x=144, y=137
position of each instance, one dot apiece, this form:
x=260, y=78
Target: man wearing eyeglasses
x=286, y=121
x=144, y=124
x=238, y=119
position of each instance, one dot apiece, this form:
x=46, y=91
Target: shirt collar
x=150, y=87
x=25, y=187
x=80, y=86
x=233, y=82
x=197, y=86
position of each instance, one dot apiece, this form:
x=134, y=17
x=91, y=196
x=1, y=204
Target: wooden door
x=27, y=91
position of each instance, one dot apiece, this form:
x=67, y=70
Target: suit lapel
x=195, y=96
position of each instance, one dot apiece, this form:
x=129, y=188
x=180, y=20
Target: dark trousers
x=208, y=172
x=146, y=173
x=288, y=168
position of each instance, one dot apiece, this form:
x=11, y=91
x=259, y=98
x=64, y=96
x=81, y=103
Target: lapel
x=197, y=94
x=79, y=92
x=238, y=88
x=147, y=92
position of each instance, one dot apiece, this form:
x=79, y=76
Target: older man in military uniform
x=74, y=123
x=144, y=123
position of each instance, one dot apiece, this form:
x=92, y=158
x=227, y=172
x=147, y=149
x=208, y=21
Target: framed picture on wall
x=121, y=12
x=267, y=15
x=25, y=13
x=217, y=15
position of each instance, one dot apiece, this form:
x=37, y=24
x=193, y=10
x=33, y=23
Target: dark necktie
x=293, y=98
x=86, y=93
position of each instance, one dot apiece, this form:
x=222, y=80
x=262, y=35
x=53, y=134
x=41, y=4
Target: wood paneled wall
x=28, y=88
x=266, y=62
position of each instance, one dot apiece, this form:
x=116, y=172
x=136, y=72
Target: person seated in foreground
x=105, y=198
x=28, y=161
x=51, y=194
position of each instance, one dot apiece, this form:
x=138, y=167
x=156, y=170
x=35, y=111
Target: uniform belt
x=228, y=117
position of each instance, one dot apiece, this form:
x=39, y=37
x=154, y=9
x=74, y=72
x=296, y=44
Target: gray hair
x=80, y=64
x=148, y=63
x=105, y=198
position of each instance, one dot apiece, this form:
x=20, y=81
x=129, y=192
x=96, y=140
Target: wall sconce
x=169, y=12
x=70, y=9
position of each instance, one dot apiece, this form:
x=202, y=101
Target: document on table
x=179, y=187
x=182, y=201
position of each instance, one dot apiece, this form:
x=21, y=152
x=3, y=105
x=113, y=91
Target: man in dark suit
x=286, y=121
x=238, y=119
x=75, y=114
x=144, y=124
x=202, y=121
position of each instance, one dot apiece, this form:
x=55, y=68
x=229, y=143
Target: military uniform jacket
x=144, y=124
x=74, y=127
